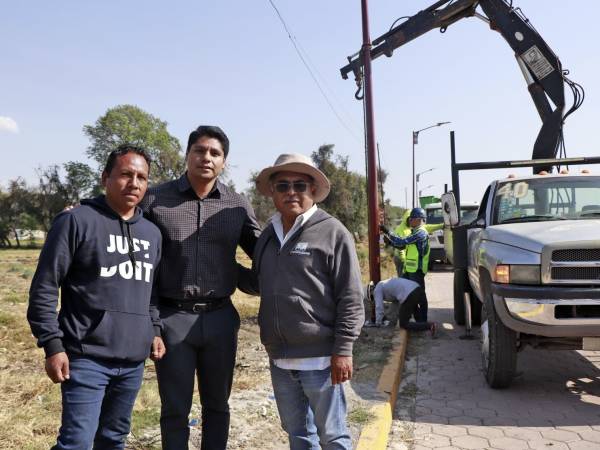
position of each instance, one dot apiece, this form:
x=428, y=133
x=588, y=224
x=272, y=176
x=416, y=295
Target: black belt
x=196, y=306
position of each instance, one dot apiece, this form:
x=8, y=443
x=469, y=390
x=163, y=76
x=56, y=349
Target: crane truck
x=527, y=268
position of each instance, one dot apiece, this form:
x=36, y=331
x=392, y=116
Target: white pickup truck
x=531, y=264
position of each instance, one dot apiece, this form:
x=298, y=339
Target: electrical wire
x=293, y=40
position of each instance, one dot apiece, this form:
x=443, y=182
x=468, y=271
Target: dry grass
x=30, y=405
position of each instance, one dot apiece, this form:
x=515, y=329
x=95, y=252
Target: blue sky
x=231, y=63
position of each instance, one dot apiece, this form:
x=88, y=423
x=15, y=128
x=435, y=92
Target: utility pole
x=373, y=204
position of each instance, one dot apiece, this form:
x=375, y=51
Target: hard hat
x=417, y=213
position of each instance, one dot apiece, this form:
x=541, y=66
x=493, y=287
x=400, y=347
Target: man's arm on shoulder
x=250, y=230
x=54, y=263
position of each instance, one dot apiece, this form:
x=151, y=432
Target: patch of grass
x=14, y=298
x=7, y=320
x=409, y=390
x=15, y=268
x=27, y=274
x=360, y=415
x=145, y=418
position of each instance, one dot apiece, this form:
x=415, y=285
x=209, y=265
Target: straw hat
x=294, y=163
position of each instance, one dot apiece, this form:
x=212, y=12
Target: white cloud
x=8, y=124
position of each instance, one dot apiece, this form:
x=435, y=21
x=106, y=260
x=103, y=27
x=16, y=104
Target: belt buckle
x=199, y=307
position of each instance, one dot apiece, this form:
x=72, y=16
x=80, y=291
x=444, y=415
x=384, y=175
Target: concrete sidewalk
x=444, y=401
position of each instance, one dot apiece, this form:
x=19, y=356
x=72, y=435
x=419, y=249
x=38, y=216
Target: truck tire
x=461, y=285
x=498, y=348
x=475, y=310
x=460, y=281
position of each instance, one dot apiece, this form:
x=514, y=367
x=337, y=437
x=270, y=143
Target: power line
x=307, y=66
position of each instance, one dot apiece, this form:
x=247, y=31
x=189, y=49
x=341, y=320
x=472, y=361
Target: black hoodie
x=106, y=311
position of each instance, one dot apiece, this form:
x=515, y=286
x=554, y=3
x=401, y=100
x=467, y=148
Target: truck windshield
x=551, y=198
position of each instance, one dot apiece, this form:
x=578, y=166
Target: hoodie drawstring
x=129, y=241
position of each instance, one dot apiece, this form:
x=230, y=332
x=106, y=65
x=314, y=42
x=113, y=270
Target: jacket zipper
x=276, y=304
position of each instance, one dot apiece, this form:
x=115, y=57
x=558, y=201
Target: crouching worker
x=311, y=304
x=102, y=257
x=410, y=297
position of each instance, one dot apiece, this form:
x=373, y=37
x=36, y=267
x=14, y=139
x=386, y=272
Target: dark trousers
x=203, y=345
x=421, y=311
x=415, y=300
x=97, y=402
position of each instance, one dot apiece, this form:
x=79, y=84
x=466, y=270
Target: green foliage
x=360, y=415
x=128, y=124
x=263, y=206
x=348, y=197
x=393, y=214
x=17, y=211
x=58, y=189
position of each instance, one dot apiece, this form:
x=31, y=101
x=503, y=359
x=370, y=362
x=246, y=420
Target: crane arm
x=540, y=66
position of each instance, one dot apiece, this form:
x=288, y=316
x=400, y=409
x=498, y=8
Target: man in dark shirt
x=202, y=222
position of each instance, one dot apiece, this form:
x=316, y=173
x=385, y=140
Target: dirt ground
x=30, y=404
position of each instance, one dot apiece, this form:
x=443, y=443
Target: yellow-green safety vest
x=411, y=264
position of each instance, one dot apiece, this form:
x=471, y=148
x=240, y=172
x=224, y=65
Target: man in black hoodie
x=102, y=257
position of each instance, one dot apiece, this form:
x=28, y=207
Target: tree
x=128, y=124
x=348, y=197
x=16, y=209
x=55, y=192
x=263, y=206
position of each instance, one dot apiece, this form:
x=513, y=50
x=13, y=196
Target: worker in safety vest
x=417, y=252
x=404, y=230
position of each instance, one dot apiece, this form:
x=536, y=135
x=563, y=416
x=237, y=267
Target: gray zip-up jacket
x=311, y=291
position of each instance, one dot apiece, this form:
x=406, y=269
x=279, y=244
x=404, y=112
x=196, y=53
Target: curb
x=374, y=436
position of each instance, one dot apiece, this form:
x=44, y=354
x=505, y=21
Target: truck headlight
x=525, y=274
x=518, y=274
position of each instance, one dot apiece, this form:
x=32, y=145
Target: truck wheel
x=498, y=348
x=460, y=280
x=461, y=285
x=475, y=311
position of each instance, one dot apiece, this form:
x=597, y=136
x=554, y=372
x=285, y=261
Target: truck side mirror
x=449, y=209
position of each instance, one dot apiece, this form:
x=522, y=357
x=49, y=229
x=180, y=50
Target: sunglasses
x=285, y=186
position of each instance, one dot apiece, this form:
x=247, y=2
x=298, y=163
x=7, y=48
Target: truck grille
x=572, y=266
x=576, y=254
x=576, y=273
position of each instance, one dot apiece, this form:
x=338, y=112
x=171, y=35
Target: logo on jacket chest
x=301, y=248
x=126, y=270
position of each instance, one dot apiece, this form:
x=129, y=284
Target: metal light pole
x=415, y=141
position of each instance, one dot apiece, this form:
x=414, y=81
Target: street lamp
x=415, y=135
x=417, y=178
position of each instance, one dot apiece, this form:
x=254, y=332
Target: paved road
x=445, y=403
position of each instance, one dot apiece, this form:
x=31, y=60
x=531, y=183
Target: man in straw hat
x=311, y=309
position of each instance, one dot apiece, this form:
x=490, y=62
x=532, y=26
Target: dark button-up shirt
x=200, y=237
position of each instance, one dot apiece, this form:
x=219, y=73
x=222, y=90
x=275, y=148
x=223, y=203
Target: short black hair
x=210, y=131
x=121, y=150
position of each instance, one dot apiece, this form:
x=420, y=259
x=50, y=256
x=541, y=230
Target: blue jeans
x=97, y=402
x=312, y=410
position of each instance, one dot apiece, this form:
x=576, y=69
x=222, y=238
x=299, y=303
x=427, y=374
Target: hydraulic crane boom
x=540, y=66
